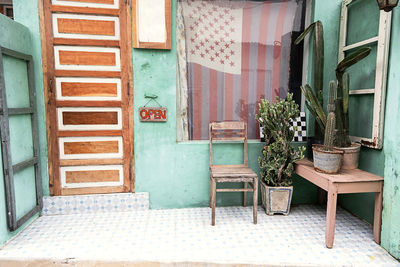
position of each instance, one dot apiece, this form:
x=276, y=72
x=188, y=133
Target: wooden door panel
x=85, y=26
x=87, y=58
x=89, y=118
x=91, y=147
x=92, y=176
x=89, y=106
x=88, y=89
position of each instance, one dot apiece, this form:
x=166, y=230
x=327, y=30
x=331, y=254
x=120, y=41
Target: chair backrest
x=229, y=131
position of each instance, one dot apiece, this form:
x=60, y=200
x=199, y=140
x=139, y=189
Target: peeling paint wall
x=385, y=162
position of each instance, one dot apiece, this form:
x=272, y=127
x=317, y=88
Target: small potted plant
x=278, y=154
x=341, y=102
x=327, y=159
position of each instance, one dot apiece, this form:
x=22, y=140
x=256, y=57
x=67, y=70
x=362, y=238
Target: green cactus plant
x=318, y=68
x=342, y=96
x=331, y=119
x=278, y=154
x=314, y=102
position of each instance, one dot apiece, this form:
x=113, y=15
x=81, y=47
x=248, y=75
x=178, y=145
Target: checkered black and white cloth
x=299, y=126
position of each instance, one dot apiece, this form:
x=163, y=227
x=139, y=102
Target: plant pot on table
x=350, y=156
x=327, y=160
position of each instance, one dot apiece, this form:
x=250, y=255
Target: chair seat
x=232, y=171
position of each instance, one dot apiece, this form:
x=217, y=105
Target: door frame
x=50, y=98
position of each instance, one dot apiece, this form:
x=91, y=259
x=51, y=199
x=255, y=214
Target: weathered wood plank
x=92, y=147
x=89, y=118
x=83, y=162
x=87, y=58
x=76, y=89
x=92, y=176
x=85, y=26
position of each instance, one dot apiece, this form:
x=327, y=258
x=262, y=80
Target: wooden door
x=88, y=76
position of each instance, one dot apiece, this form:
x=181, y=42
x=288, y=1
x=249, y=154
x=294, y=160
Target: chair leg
x=245, y=195
x=210, y=192
x=213, y=197
x=255, y=199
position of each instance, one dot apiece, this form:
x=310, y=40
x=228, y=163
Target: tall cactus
x=331, y=119
x=342, y=96
x=318, y=69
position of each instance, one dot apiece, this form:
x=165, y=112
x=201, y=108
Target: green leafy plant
x=278, y=154
x=318, y=69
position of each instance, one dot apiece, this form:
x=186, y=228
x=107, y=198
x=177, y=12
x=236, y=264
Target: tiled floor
x=185, y=235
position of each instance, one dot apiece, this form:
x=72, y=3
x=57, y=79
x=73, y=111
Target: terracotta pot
x=327, y=161
x=276, y=200
x=350, y=157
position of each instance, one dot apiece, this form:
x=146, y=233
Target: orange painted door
x=87, y=46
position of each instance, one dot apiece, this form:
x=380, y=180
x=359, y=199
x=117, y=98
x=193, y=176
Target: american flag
x=237, y=52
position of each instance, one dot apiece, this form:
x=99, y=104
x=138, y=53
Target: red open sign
x=153, y=114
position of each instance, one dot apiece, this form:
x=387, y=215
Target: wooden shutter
x=87, y=67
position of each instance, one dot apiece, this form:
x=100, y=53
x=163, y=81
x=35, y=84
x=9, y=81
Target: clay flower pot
x=350, y=156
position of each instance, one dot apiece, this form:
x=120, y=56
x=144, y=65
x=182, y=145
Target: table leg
x=331, y=216
x=245, y=195
x=210, y=192
x=378, y=215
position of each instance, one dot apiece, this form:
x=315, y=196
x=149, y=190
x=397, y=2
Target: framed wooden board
x=151, y=24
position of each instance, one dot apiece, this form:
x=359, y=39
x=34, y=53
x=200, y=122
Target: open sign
x=153, y=114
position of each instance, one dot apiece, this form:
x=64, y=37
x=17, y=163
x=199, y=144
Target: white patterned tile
x=185, y=235
x=91, y=204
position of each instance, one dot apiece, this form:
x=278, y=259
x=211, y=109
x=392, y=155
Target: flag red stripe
x=213, y=85
x=197, y=101
x=276, y=77
x=262, y=51
x=228, y=96
x=246, y=28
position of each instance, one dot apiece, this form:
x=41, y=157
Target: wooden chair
x=231, y=131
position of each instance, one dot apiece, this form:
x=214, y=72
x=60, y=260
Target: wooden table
x=347, y=181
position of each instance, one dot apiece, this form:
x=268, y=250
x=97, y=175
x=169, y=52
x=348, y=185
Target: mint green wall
x=17, y=37
x=27, y=13
x=24, y=37
x=391, y=192
x=385, y=162
x=176, y=174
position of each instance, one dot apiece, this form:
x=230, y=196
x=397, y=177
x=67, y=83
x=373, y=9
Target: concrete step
x=98, y=203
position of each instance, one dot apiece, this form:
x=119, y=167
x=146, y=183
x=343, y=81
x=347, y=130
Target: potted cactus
x=342, y=139
x=278, y=155
x=318, y=76
x=328, y=159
